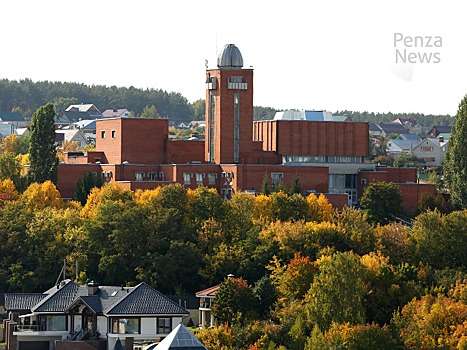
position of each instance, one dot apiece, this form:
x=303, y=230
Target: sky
x=322, y=55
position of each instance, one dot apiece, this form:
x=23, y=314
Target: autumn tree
x=234, y=299
x=39, y=196
x=43, y=155
x=337, y=292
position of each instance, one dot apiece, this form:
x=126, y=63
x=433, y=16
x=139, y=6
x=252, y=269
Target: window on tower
x=236, y=127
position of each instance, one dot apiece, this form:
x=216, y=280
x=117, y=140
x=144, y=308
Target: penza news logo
x=414, y=49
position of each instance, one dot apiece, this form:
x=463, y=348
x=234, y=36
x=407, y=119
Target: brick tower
x=229, y=109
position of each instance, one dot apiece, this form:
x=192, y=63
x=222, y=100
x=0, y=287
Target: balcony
x=238, y=86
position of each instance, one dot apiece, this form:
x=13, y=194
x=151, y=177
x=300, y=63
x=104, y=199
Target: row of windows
x=152, y=176
x=103, y=134
x=320, y=159
x=132, y=325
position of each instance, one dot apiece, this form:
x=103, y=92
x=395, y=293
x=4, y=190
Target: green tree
x=199, y=108
x=85, y=185
x=265, y=188
x=150, y=113
x=234, y=300
x=10, y=168
x=296, y=186
x=43, y=158
x=383, y=202
x=406, y=160
x=265, y=293
x=337, y=292
x=455, y=164
x=62, y=103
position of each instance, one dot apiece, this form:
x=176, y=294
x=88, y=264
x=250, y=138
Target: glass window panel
x=56, y=323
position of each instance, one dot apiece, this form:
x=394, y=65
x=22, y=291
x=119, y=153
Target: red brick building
x=327, y=156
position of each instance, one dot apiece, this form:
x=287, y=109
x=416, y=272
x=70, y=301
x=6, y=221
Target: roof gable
x=210, y=292
x=59, y=299
x=144, y=299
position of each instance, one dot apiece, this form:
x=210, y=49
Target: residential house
x=86, y=126
x=431, y=151
x=70, y=316
x=83, y=108
x=374, y=130
x=115, y=113
x=21, y=131
x=71, y=135
x=7, y=129
x=207, y=298
x=439, y=129
x=342, y=118
x=410, y=124
x=396, y=146
x=61, y=122
x=14, y=118
x=392, y=128
x=75, y=116
x=200, y=123
x=411, y=137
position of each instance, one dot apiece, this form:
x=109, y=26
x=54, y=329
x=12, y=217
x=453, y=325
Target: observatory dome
x=230, y=57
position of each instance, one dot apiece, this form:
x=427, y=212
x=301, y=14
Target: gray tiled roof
x=22, y=301
x=11, y=117
x=59, y=300
x=144, y=299
x=141, y=299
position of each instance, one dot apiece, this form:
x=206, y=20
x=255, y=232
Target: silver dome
x=230, y=57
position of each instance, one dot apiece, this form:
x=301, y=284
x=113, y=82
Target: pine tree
x=265, y=189
x=43, y=160
x=296, y=186
x=85, y=185
x=455, y=164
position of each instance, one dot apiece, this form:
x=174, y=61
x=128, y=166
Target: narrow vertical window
x=212, y=133
x=236, y=127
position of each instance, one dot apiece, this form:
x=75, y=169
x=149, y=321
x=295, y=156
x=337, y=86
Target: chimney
x=93, y=287
x=441, y=139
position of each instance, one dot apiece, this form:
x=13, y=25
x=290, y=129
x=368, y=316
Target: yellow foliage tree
x=9, y=144
x=111, y=191
x=67, y=147
x=262, y=209
x=24, y=160
x=319, y=209
x=144, y=197
x=40, y=196
x=7, y=187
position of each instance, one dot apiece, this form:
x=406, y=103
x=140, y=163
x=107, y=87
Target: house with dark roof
x=392, y=128
x=14, y=118
x=439, y=129
x=72, y=316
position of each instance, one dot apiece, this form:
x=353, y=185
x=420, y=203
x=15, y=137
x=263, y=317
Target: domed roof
x=230, y=57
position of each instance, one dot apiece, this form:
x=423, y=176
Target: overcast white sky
x=329, y=55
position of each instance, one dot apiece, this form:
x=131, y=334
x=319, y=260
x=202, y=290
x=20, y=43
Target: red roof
x=211, y=291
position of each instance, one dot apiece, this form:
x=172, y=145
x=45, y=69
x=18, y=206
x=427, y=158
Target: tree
x=265, y=189
x=199, y=109
x=383, y=202
x=62, y=103
x=85, y=185
x=150, y=113
x=406, y=160
x=43, y=160
x=234, y=299
x=455, y=164
x=296, y=186
x=337, y=292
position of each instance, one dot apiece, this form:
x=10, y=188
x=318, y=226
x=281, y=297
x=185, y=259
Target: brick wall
x=412, y=192
x=182, y=152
